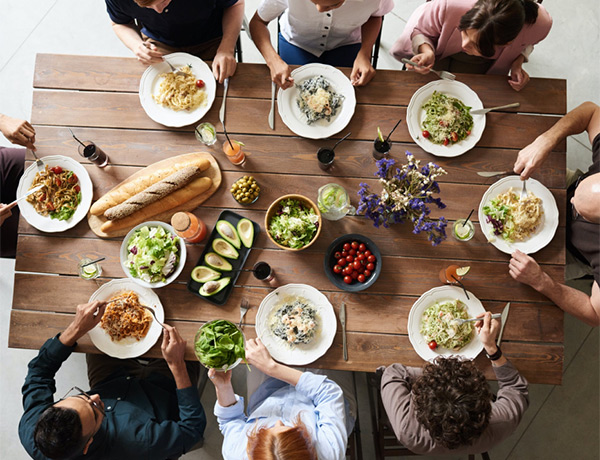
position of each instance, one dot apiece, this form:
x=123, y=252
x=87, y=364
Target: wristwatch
x=496, y=356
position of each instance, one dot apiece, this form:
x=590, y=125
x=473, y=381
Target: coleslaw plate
x=440, y=294
x=415, y=116
x=150, y=83
x=295, y=120
x=548, y=226
x=46, y=223
x=128, y=347
x=301, y=354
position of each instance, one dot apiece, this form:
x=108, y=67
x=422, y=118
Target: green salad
x=447, y=119
x=438, y=324
x=498, y=213
x=293, y=225
x=152, y=254
x=219, y=344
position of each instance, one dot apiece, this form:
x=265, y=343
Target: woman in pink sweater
x=474, y=36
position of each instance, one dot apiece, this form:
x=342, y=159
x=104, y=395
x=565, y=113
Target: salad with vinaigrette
x=447, y=119
x=293, y=225
x=152, y=254
x=438, y=325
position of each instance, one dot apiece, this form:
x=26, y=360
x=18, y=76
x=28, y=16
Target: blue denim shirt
x=318, y=400
x=146, y=418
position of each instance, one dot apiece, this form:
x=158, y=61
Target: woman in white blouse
x=340, y=33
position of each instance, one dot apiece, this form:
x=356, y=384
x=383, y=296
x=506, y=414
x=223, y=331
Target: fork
x=173, y=69
x=523, y=194
x=38, y=162
x=153, y=314
x=440, y=73
x=459, y=321
x=244, y=306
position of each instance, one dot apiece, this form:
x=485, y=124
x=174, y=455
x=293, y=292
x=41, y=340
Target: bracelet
x=496, y=356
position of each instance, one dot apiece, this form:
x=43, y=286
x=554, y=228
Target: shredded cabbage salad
x=437, y=324
x=293, y=224
x=152, y=254
x=447, y=119
x=498, y=213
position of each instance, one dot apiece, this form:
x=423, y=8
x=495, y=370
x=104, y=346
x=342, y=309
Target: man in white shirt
x=340, y=33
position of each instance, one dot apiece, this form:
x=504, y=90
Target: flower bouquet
x=404, y=197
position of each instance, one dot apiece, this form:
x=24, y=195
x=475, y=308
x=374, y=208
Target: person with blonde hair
x=293, y=415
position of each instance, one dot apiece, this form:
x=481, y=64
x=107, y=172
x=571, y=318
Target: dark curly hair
x=58, y=433
x=453, y=401
x=498, y=22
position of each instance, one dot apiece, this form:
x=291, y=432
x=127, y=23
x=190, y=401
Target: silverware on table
x=38, y=162
x=222, y=109
x=493, y=173
x=440, y=73
x=151, y=310
x=173, y=69
x=343, y=321
x=484, y=111
x=272, y=112
x=460, y=321
x=504, y=317
x=244, y=306
x=523, y=194
x=29, y=192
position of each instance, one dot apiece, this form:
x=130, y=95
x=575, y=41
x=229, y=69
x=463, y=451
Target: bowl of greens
x=293, y=222
x=219, y=345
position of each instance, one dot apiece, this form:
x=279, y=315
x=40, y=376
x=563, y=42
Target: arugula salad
x=152, y=254
x=293, y=224
x=447, y=119
x=437, y=324
x=219, y=344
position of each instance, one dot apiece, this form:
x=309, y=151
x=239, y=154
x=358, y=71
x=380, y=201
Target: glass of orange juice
x=234, y=152
x=453, y=274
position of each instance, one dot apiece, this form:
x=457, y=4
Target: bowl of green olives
x=245, y=190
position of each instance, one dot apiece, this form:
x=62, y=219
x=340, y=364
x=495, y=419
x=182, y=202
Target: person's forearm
x=232, y=24
x=262, y=39
x=285, y=373
x=225, y=395
x=369, y=32
x=180, y=374
x=490, y=350
x=574, y=122
x=128, y=34
x=70, y=335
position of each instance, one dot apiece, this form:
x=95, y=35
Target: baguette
x=153, y=193
x=179, y=197
x=128, y=189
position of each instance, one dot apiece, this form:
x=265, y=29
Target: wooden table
x=98, y=96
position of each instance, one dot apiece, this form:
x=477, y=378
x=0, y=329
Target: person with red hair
x=293, y=415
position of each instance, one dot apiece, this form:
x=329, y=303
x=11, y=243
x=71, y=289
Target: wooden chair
x=354, y=450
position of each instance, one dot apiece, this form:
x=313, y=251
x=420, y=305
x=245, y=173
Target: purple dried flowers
x=405, y=194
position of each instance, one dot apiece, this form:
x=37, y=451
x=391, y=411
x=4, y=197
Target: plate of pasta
x=126, y=329
x=320, y=104
x=510, y=223
x=177, y=100
x=439, y=119
x=65, y=196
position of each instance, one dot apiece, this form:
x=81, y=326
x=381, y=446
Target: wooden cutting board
x=213, y=172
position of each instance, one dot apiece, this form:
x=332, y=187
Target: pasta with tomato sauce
x=60, y=194
x=125, y=317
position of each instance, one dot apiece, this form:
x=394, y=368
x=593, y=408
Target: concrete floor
x=562, y=421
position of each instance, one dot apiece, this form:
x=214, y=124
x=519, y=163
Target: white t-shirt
x=302, y=25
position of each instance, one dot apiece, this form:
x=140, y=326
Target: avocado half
x=213, y=287
x=217, y=262
x=245, y=229
x=228, y=231
x=203, y=274
x=225, y=248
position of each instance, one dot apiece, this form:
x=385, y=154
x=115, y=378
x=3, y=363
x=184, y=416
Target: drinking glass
x=325, y=157
x=234, y=152
x=88, y=272
x=334, y=202
x=206, y=133
x=262, y=271
x=92, y=152
x=463, y=230
x=381, y=148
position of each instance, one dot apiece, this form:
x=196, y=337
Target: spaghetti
x=60, y=194
x=512, y=218
x=179, y=92
x=125, y=317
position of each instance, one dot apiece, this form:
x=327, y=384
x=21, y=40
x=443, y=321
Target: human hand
x=148, y=54
x=18, y=131
x=223, y=65
x=488, y=330
x=281, y=74
x=531, y=157
x=518, y=77
x=173, y=346
x=258, y=355
x=362, y=71
x=526, y=270
x=5, y=212
x=87, y=315
x=425, y=59
x=220, y=379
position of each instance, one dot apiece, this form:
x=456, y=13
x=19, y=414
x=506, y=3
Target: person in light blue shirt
x=292, y=414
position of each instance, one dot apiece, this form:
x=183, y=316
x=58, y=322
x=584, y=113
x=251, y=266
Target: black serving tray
x=220, y=298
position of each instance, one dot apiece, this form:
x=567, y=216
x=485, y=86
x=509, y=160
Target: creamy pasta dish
x=447, y=119
x=125, y=317
x=317, y=99
x=180, y=92
x=439, y=324
x=60, y=194
x=295, y=321
x=512, y=218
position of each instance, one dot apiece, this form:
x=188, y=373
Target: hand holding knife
x=222, y=109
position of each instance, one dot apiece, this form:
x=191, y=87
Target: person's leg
x=293, y=55
x=12, y=163
x=101, y=366
x=342, y=56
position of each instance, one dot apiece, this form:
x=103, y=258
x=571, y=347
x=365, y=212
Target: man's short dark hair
x=58, y=433
x=453, y=401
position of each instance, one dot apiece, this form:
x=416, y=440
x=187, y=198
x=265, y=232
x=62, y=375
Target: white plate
x=302, y=354
x=150, y=82
x=128, y=347
x=437, y=294
x=173, y=276
x=46, y=223
x=415, y=116
x=296, y=121
x=548, y=225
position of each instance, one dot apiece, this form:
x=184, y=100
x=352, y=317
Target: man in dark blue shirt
x=126, y=414
x=208, y=29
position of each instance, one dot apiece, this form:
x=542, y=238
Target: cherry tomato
x=341, y=261
x=354, y=275
x=56, y=170
x=77, y=188
x=337, y=255
x=352, y=252
x=348, y=279
x=349, y=259
x=347, y=246
x=361, y=269
x=337, y=269
x=367, y=253
x=370, y=267
x=468, y=132
x=73, y=179
x=58, y=181
x=425, y=133
x=446, y=141
x=360, y=257
x=361, y=278
x=362, y=247
x=356, y=264
x=344, y=254
x=371, y=258
x=200, y=83
x=454, y=136
x=42, y=197
x=349, y=270
x=432, y=345
x=50, y=206
x=355, y=245
x=367, y=272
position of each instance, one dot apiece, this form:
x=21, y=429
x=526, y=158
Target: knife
x=33, y=190
x=272, y=112
x=484, y=111
x=222, y=109
x=492, y=173
x=504, y=318
x=343, y=321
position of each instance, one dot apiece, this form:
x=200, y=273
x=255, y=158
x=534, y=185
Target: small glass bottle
x=188, y=227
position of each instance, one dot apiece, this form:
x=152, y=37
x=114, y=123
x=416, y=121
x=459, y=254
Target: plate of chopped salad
x=293, y=222
x=431, y=320
x=439, y=119
x=152, y=254
x=320, y=104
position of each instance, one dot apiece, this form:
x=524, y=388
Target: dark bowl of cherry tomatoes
x=352, y=262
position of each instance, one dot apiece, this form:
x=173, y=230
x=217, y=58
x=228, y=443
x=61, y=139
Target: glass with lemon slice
x=381, y=147
x=334, y=202
x=463, y=230
x=453, y=274
x=89, y=272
